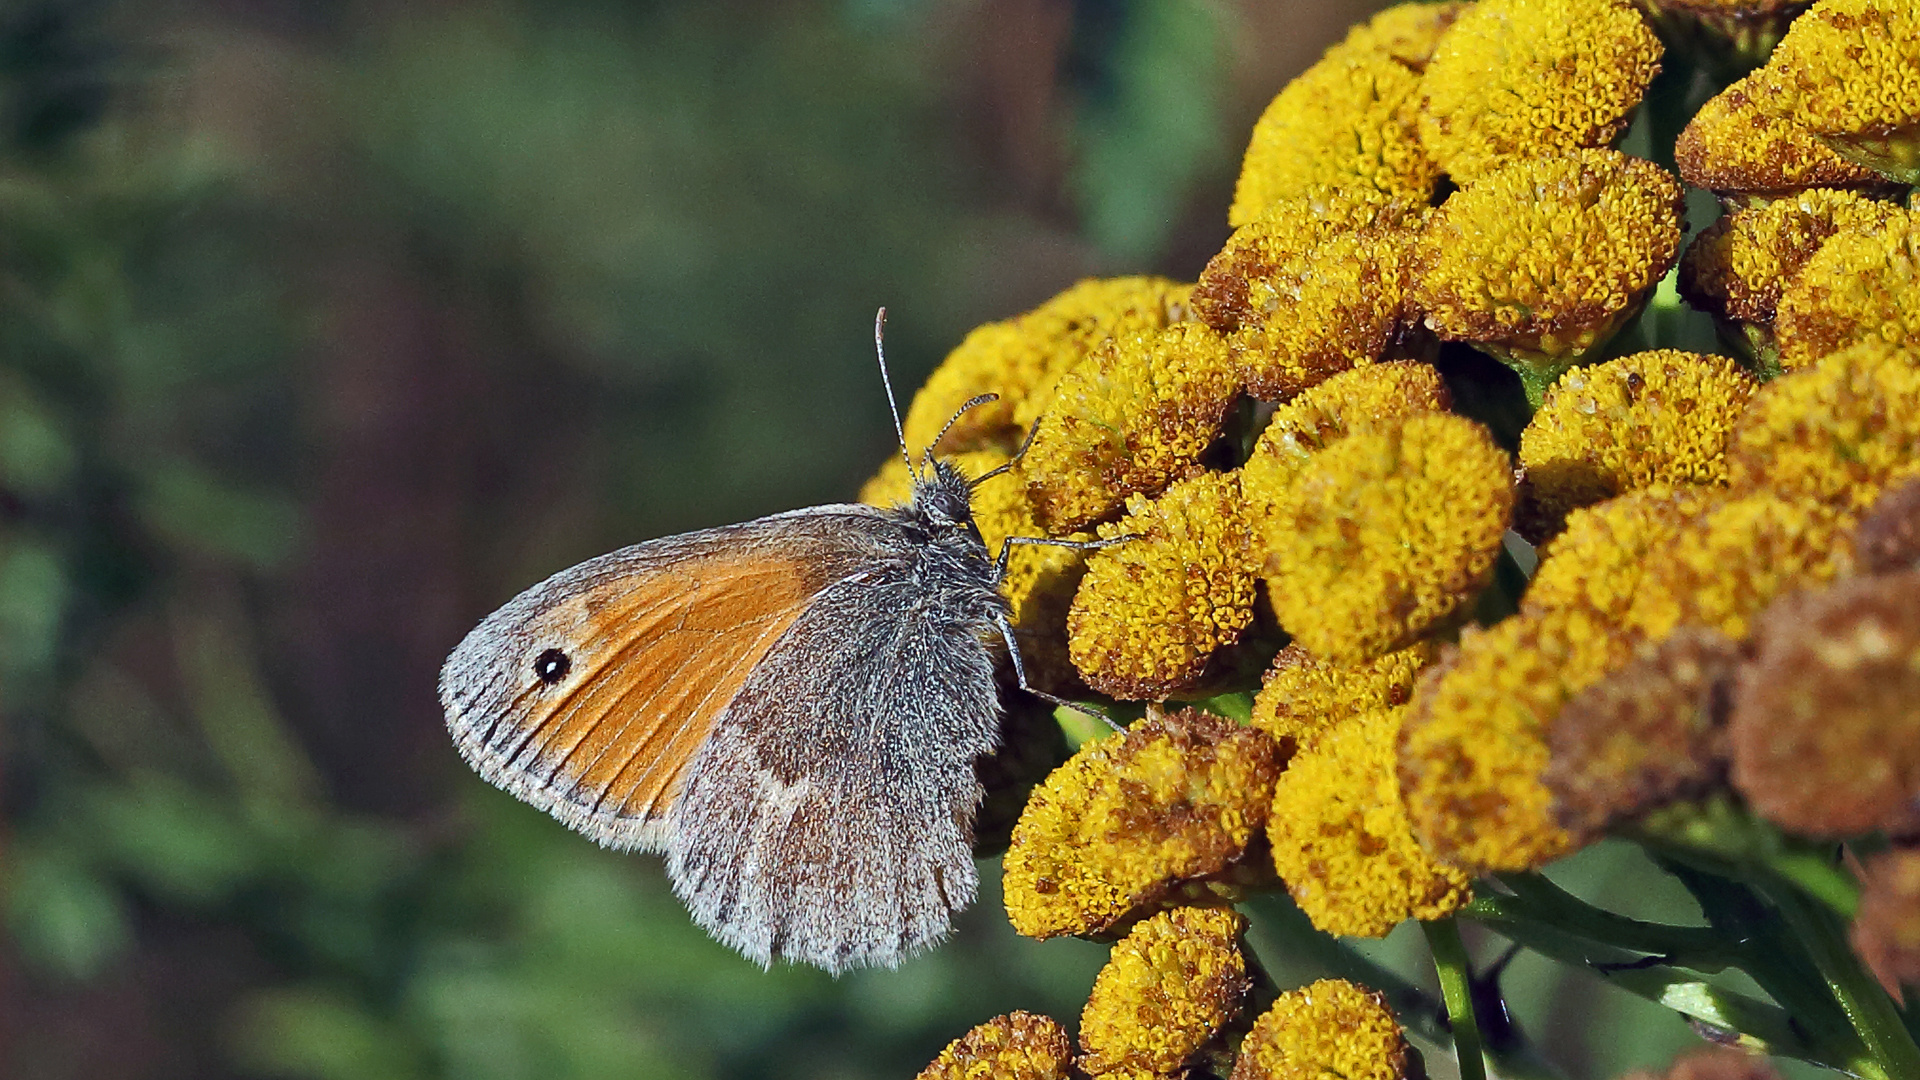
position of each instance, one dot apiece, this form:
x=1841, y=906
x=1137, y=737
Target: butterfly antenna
x=880, y=351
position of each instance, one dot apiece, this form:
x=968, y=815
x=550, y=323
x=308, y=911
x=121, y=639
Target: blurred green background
x=325, y=326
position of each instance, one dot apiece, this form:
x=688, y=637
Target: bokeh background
x=327, y=325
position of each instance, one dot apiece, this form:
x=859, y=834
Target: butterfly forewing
x=588, y=694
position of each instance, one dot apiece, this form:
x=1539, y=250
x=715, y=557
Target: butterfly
x=788, y=709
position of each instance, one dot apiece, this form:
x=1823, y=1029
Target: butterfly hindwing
x=828, y=819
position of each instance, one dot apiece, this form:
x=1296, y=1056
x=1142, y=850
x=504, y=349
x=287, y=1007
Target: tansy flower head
x=1597, y=562
x=1303, y=695
x=1309, y=289
x=1658, y=417
x=1367, y=396
x=1153, y=610
x=1649, y=734
x=1540, y=262
x=1823, y=733
x=1859, y=287
x=1131, y=417
x=1040, y=580
x=1345, y=122
x=1330, y=1028
x=1731, y=559
x=1340, y=837
x=1386, y=533
x=1736, y=270
x=1522, y=78
x=1839, y=431
x=1168, y=988
x=1473, y=752
x=1848, y=71
x=1886, y=928
x=1131, y=819
x=1746, y=155
x=1020, y=358
x=1888, y=539
x=1408, y=32
x=1017, y=1046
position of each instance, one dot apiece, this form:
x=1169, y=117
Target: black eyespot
x=552, y=666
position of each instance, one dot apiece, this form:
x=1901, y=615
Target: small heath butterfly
x=789, y=710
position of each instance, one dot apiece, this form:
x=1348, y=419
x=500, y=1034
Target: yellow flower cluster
x=1135, y=820
x=1129, y=419
x=1848, y=72
x=1276, y=454
x=1326, y=1029
x=1660, y=417
x=1152, y=611
x=1348, y=121
x=1525, y=78
x=1017, y=1046
x=1021, y=359
x=1387, y=533
x=1341, y=840
x=1311, y=287
x=1748, y=156
x=1168, y=988
x=1539, y=261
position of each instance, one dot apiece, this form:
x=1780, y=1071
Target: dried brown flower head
x=1886, y=928
x=1888, y=539
x=1823, y=733
x=1713, y=1063
x=1647, y=735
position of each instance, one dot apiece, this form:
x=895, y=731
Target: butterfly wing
x=588, y=694
x=828, y=819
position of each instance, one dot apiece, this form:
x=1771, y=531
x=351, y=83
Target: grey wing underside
x=828, y=819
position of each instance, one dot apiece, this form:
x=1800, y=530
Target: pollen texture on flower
x=1525, y=78
x=1019, y=359
x=1386, y=533
x=1540, y=261
x=1168, y=988
x=1132, y=417
x=1473, y=752
x=1341, y=840
x=1154, y=609
x=1823, y=733
x=1597, y=561
x=1133, y=818
x=1331, y=1028
x=1303, y=695
x=1737, y=149
x=1660, y=417
x=1861, y=286
x=1838, y=431
x=1848, y=71
x=1017, y=1046
x=1309, y=289
x=1347, y=121
x=1368, y=396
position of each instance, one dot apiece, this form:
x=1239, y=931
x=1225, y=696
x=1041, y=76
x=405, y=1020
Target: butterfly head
x=943, y=504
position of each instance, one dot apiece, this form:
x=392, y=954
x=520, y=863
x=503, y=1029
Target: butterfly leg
x=1020, y=675
x=1006, y=547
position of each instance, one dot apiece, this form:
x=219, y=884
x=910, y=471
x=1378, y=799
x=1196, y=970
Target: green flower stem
x=1451, y=963
x=1294, y=938
x=1867, y=1006
x=1723, y=838
x=1759, y=1026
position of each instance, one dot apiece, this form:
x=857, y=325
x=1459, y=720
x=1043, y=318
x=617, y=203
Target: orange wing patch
x=657, y=653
